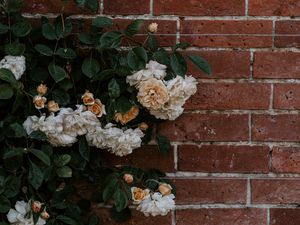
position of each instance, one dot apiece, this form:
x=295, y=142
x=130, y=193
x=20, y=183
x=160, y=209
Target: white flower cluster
x=63, y=129
x=22, y=215
x=16, y=64
x=163, y=99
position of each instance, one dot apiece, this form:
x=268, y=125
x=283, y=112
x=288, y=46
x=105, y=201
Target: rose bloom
x=97, y=108
x=128, y=178
x=42, y=89
x=45, y=215
x=139, y=194
x=143, y=126
x=165, y=189
x=53, y=106
x=128, y=116
x=39, y=102
x=153, y=94
x=152, y=28
x=88, y=98
x=36, y=206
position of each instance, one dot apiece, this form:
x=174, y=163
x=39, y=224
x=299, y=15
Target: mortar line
x=249, y=127
x=236, y=206
x=246, y=7
x=151, y=2
x=224, y=175
x=101, y=7
x=173, y=217
x=176, y=157
x=273, y=33
x=251, y=63
x=178, y=34
x=271, y=107
x=268, y=217
x=248, y=201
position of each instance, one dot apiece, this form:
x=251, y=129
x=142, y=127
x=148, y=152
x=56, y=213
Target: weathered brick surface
x=275, y=191
x=248, y=216
x=286, y=96
x=286, y=160
x=276, y=127
x=232, y=30
x=224, y=96
x=196, y=191
x=197, y=127
x=199, y=8
x=223, y=158
x=126, y=7
x=274, y=8
x=285, y=216
x=276, y=65
x=289, y=28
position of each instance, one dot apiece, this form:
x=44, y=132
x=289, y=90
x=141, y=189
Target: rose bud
x=53, y=106
x=128, y=116
x=139, y=194
x=88, y=98
x=36, y=206
x=45, y=215
x=143, y=126
x=165, y=189
x=42, y=89
x=128, y=178
x=97, y=108
x=152, y=28
x=39, y=102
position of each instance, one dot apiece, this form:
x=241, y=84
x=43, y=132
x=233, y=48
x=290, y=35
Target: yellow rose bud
x=152, y=28
x=36, y=206
x=139, y=194
x=39, y=102
x=45, y=215
x=53, y=106
x=128, y=116
x=42, y=89
x=88, y=98
x=143, y=126
x=165, y=189
x=97, y=108
x=128, y=178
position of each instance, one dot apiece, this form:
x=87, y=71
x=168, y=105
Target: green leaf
x=63, y=29
x=121, y=216
x=85, y=38
x=134, y=27
x=12, y=186
x=123, y=105
x=62, y=160
x=137, y=58
x=121, y=200
x=17, y=129
x=66, y=53
x=3, y=28
x=61, y=97
x=13, y=152
x=90, y=67
x=64, y=172
x=15, y=49
x=84, y=148
x=93, y=220
x=163, y=144
x=111, y=39
x=4, y=204
x=38, y=135
x=152, y=42
x=114, y=89
x=178, y=64
x=92, y=5
x=41, y=156
x=182, y=45
x=35, y=176
x=43, y=50
x=161, y=56
x=201, y=63
x=14, y=5
x=6, y=91
x=109, y=189
x=104, y=75
x=39, y=74
x=8, y=76
x=57, y=72
x=21, y=29
x=102, y=22
x=48, y=31
x=66, y=220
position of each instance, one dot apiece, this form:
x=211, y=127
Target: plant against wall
x=68, y=93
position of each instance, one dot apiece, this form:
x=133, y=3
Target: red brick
x=276, y=65
x=53, y=6
x=224, y=64
x=223, y=158
x=200, y=7
x=276, y=191
x=274, y=8
x=286, y=160
x=198, y=191
x=285, y=216
x=276, y=127
x=146, y=157
x=224, y=96
x=288, y=27
x=138, y=218
x=247, y=216
x=233, y=27
x=286, y=96
x=126, y=7
x=213, y=127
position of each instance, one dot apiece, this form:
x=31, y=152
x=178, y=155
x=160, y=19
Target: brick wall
x=236, y=151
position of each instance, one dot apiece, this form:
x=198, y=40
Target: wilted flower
x=139, y=194
x=36, y=206
x=97, y=108
x=88, y=98
x=128, y=116
x=39, y=102
x=16, y=64
x=152, y=28
x=53, y=106
x=128, y=178
x=42, y=89
x=45, y=215
x=165, y=189
x=143, y=126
